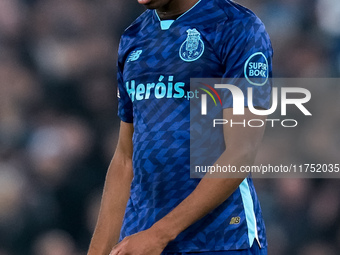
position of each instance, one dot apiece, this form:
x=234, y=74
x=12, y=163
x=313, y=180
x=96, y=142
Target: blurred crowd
x=58, y=122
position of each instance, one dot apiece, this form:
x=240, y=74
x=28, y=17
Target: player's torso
x=156, y=69
x=159, y=63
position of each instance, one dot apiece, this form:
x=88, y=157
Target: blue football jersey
x=215, y=38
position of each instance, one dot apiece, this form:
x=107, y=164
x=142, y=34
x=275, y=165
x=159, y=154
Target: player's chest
x=183, y=53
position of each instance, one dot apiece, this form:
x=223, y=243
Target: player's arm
x=115, y=195
x=241, y=146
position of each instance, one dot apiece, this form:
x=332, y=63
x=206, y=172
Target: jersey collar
x=166, y=24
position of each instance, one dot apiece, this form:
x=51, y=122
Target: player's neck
x=175, y=8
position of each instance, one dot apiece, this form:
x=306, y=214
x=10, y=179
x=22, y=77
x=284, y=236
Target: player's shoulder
x=136, y=26
x=238, y=18
x=240, y=24
x=234, y=11
x=134, y=31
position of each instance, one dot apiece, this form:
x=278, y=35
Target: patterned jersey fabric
x=215, y=38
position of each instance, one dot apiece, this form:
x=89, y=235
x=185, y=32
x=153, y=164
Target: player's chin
x=151, y=4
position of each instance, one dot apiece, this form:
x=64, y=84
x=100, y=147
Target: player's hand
x=143, y=243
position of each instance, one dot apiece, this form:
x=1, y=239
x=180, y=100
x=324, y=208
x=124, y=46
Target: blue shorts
x=254, y=250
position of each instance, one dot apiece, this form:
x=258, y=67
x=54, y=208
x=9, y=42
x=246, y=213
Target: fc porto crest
x=193, y=47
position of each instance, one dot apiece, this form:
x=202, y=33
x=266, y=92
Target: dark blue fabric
x=216, y=38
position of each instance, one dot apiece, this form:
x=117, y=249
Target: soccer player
x=150, y=205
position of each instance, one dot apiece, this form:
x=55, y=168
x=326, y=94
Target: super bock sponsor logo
x=256, y=69
x=193, y=47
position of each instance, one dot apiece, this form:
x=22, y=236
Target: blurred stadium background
x=58, y=122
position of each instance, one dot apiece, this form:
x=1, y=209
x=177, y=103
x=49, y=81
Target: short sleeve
x=125, y=106
x=247, y=57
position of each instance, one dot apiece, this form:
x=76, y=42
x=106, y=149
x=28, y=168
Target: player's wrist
x=96, y=251
x=163, y=233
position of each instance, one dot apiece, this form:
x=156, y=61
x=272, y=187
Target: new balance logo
x=235, y=220
x=134, y=55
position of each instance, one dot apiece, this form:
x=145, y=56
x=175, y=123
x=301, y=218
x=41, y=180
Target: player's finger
x=114, y=250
